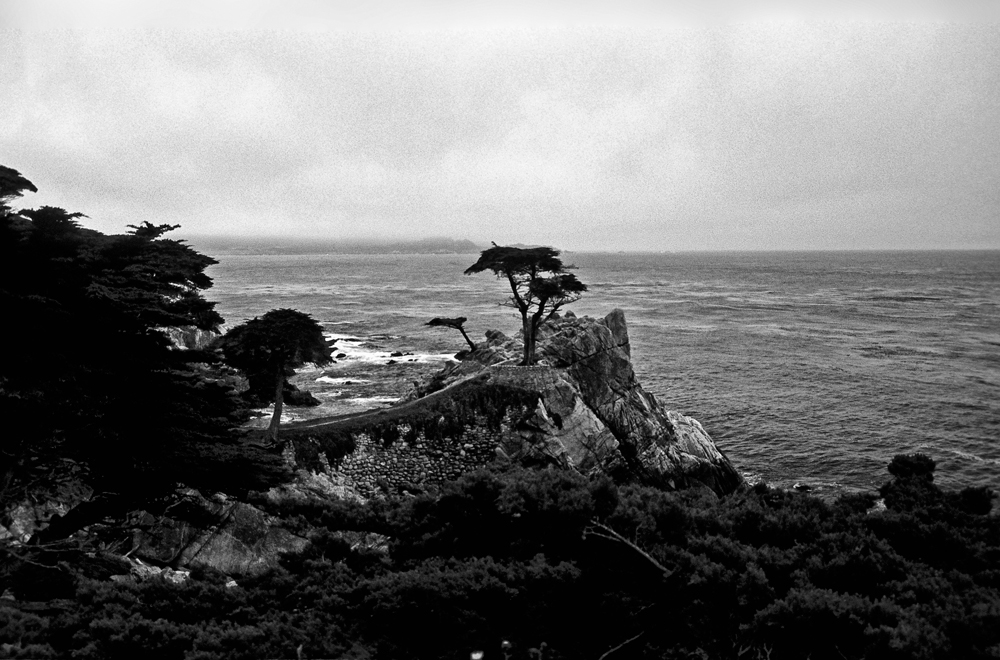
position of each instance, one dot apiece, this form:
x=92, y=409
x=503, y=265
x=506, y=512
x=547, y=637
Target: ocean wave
x=370, y=400
x=905, y=298
x=972, y=457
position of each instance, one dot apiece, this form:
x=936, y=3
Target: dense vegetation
x=90, y=385
x=591, y=569
x=477, y=403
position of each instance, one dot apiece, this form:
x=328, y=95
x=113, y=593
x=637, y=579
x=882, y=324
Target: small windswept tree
x=539, y=283
x=12, y=186
x=456, y=323
x=269, y=348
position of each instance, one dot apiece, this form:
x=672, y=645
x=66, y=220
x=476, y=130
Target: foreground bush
x=589, y=569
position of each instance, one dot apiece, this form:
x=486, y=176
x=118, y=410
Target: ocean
x=809, y=368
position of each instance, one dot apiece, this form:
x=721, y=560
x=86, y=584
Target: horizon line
x=284, y=242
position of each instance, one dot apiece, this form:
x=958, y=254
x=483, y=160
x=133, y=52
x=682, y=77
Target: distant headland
x=229, y=245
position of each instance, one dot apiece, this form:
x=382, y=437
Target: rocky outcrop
x=293, y=396
x=190, y=531
x=62, y=488
x=581, y=407
x=659, y=446
x=190, y=337
x=233, y=537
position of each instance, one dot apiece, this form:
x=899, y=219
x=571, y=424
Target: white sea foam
x=330, y=394
x=428, y=357
x=972, y=457
x=338, y=337
x=376, y=350
x=341, y=381
x=288, y=415
x=370, y=400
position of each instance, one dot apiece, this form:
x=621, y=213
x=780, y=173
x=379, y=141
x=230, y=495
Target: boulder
x=293, y=396
x=62, y=489
x=233, y=537
x=190, y=337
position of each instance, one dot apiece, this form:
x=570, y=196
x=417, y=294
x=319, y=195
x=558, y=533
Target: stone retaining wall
x=421, y=462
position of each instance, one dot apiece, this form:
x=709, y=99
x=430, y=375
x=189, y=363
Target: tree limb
x=615, y=648
x=602, y=531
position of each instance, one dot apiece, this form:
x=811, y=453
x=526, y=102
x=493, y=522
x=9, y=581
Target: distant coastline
x=229, y=245
x=235, y=245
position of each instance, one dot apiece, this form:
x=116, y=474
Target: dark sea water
x=812, y=368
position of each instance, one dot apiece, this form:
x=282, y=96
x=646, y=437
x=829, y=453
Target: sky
x=634, y=125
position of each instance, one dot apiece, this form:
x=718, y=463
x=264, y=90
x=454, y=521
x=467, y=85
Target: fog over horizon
x=809, y=132
x=219, y=245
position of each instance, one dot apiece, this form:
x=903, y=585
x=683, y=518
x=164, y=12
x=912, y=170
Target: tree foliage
x=269, y=348
x=539, y=283
x=456, y=323
x=12, y=186
x=90, y=380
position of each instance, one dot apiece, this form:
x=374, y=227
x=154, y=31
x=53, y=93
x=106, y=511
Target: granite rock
x=63, y=489
x=589, y=414
x=233, y=537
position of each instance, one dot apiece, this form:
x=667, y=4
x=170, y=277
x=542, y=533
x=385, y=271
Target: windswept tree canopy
x=281, y=337
x=519, y=263
x=268, y=348
x=562, y=288
x=539, y=283
x=12, y=186
x=456, y=323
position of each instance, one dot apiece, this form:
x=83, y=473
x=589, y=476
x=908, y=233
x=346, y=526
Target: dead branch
x=600, y=530
x=615, y=648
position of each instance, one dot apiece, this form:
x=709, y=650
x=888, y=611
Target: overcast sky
x=562, y=124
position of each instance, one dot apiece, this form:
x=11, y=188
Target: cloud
x=778, y=134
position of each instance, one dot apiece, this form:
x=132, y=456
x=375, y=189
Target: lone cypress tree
x=269, y=348
x=539, y=285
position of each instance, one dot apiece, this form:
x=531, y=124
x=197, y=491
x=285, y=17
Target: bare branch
x=601, y=530
x=627, y=641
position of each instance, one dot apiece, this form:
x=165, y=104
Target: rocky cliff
x=581, y=408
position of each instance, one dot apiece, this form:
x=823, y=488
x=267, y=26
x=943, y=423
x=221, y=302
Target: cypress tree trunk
x=279, y=399
x=471, y=344
x=529, y=343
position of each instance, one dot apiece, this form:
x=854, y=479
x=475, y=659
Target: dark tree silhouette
x=456, y=323
x=539, y=285
x=268, y=349
x=90, y=381
x=499, y=560
x=12, y=186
